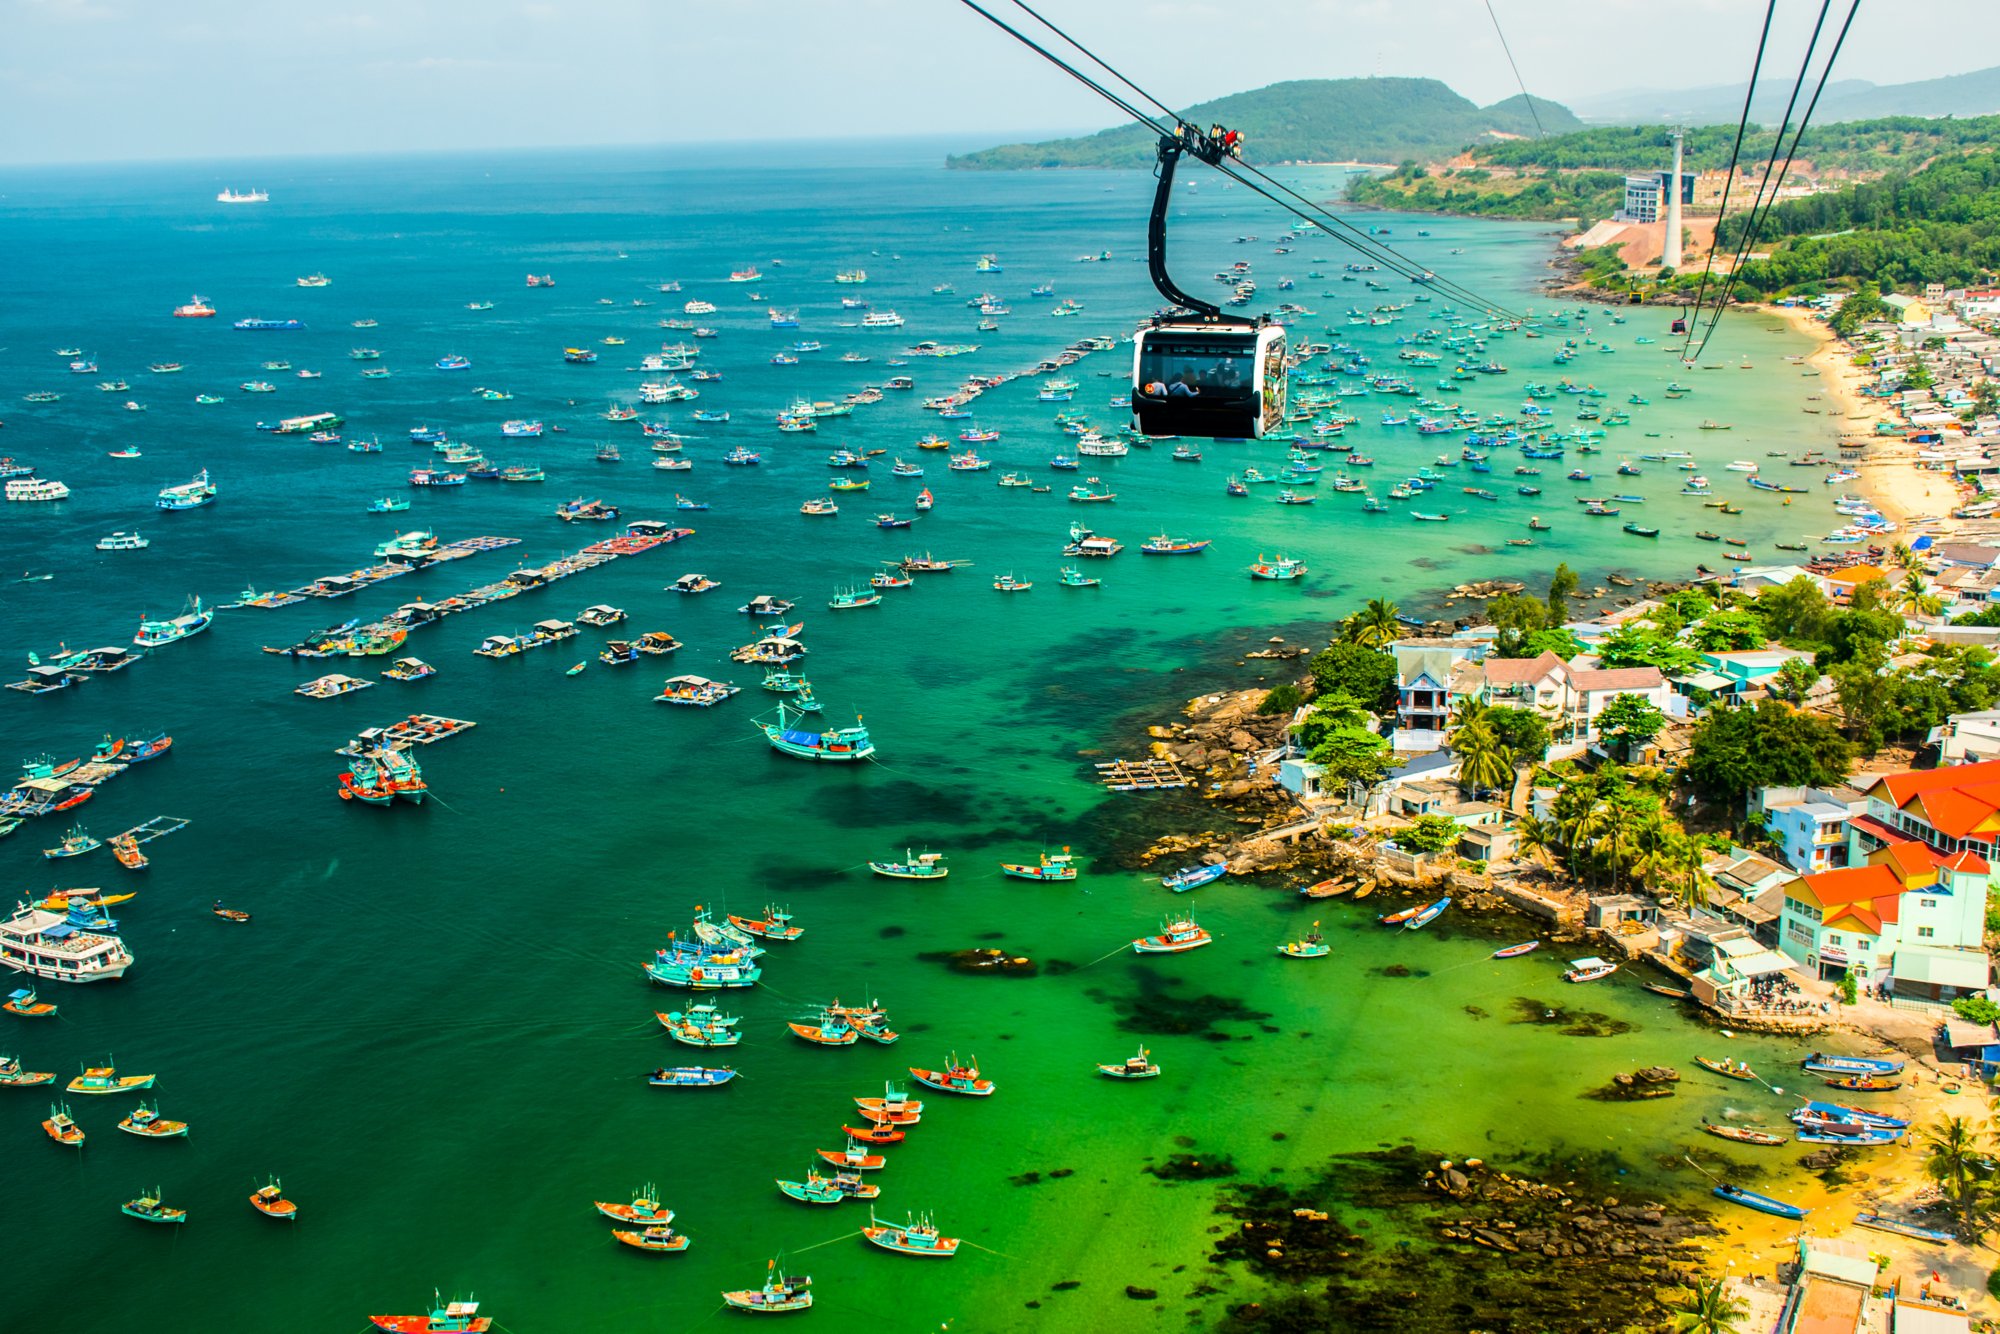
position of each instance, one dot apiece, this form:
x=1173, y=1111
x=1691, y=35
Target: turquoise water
x=435, y=1029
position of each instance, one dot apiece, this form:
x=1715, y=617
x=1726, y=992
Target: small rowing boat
x=1516, y=951
x=1820, y=1063
x=1727, y=1069
x=1862, y=1083
x=1882, y=1223
x=1325, y=889
x=1414, y=918
x=1591, y=969
x=1678, y=993
x=690, y=1076
x=1746, y=1135
x=1763, y=1204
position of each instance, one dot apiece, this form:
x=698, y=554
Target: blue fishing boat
x=1834, y=1111
x=697, y=968
x=1825, y=1132
x=1896, y=1225
x=1763, y=1204
x=916, y=1237
x=690, y=1076
x=1420, y=916
x=1194, y=877
x=838, y=744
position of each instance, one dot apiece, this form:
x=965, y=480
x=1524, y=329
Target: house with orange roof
x=1909, y=910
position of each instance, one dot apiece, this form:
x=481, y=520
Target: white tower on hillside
x=1670, y=253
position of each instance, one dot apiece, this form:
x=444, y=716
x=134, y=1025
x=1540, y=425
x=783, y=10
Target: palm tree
x=1482, y=761
x=1708, y=1309
x=1537, y=839
x=1685, y=861
x=1913, y=597
x=1617, y=820
x=1374, y=625
x=1957, y=1160
x=1470, y=711
x=1903, y=556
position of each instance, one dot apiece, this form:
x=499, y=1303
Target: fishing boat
x=1833, y=1111
x=1883, y=1223
x=1194, y=877
x=1516, y=951
x=918, y=1236
x=848, y=599
x=13, y=1076
x=1177, y=936
x=1007, y=583
x=831, y=1030
x=74, y=844
x=22, y=1001
x=1676, y=993
x=192, y=621
x=1309, y=946
x=690, y=1076
x=1284, y=567
x=955, y=1078
x=1412, y=919
x=1747, y=1135
x=854, y=1158
x=1763, y=1204
x=1588, y=970
x=61, y=1128
x=1819, y=1063
x=644, y=1208
x=446, y=1317
x=1052, y=866
x=1071, y=577
x=106, y=1079
x=269, y=1200
x=1846, y=1133
x=658, y=1240
x=1162, y=545
x=1727, y=1069
x=894, y=1107
x=147, y=1122
x=875, y=1134
x=187, y=495
x=1861, y=1083
x=149, y=1209
x=841, y=744
x=781, y=1292
x=921, y=866
x=1132, y=1067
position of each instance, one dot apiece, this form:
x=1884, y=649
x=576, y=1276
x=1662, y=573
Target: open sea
x=436, y=1030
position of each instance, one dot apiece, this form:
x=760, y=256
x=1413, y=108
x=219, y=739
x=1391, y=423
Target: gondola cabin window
x=1214, y=382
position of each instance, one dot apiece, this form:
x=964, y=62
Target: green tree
x=1707, y=1308
x=1630, y=720
x=1794, y=681
x=1863, y=632
x=1368, y=675
x=1281, y=699
x=1686, y=858
x=1329, y=712
x=1483, y=763
x=1959, y=1162
x=1515, y=617
x=1562, y=587
x=1728, y=631
x=1429, y=835
x=1796, y=612
x=1913, y=597
x=1868, y=699
x=1636, y=645
x=1351, y=756
x=1374, y=625
x=1523, y=732
x=1538, y=839
x=1739, y=750
x=1554, y=639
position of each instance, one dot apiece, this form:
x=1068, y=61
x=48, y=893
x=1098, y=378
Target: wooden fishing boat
x=1591, y=969
x=22, y=1001
x=13, y=1076
x=644, y=1208
x=1053, y=866
x=1834, y=1111
x=894, y=1107
x=781, y=1292
x=106, y=1079
x=146, y=1121
x=1819, y=1063
x=1516, y=951
x=1862, y=1083
x=830, y=1031
x=1842, y=1132
x=875, y=1134
x=922, y=866
x=700, y=1027
x=1309, y=946
x=149, y=1209
x=1326, y=889
x=269, y=1200
x=815, y=1189
x=1883, y=1223
x=1133, y=1067
x=1412, y=919
x=60, y=1128
x=1763, y=1204
x=1678, y=993
x=126, y=849
x=854, y=1158
x=230, y=914
x=955, y=1078
x=1177, y=936
x=918, y=1236
x=1727, y=1069
x=1746, y=1135
x=775, y=924
x=447, y=1318
x=1364, y=889
x=657, y=1240
x=690, y=1076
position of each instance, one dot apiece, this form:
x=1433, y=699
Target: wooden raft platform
x=1142, y=775
x=419, y=729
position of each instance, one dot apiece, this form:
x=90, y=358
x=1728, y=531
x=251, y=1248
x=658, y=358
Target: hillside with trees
x=1306, y=120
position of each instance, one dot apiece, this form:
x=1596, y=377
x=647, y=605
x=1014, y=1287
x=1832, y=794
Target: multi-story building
x=1809, y=825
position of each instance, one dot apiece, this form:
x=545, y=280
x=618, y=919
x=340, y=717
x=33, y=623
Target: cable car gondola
x=1202, y=373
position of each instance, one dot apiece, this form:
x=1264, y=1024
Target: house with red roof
x=1909, y=910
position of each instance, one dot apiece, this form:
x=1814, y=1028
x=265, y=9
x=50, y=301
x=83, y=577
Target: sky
x=118, y=80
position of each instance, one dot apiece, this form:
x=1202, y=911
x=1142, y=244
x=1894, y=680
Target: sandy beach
x=1905, y=493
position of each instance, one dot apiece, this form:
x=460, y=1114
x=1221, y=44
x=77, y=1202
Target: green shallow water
x=436, y=1028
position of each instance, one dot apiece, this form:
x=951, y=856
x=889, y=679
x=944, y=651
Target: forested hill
x=1309, y=120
